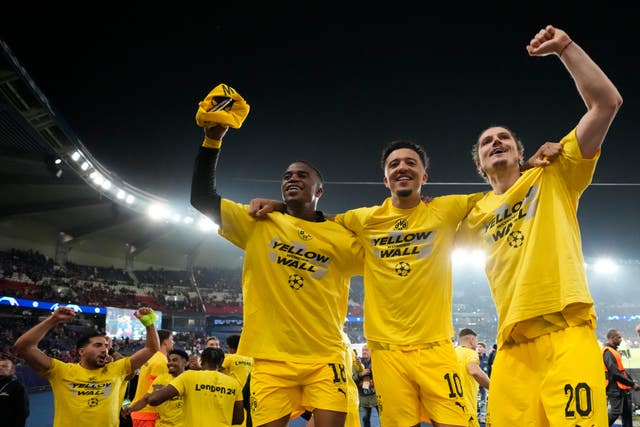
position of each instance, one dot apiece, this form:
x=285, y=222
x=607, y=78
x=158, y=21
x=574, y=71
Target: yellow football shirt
x=237, y=366
x=531, y=234
x=169, y=412
x=153, y=368
x=470, y=386
x=407, y=273
x=87, y=394
x=208, y=396
x=295, y=283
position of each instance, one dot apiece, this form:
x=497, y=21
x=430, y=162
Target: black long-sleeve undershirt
x=204, y=196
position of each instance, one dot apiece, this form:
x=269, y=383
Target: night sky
x=333, y=85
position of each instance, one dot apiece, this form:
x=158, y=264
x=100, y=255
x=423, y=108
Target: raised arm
x=27, y=345
x=204, y=196
x=147, y=317
x=221, y=109
x=599, y=94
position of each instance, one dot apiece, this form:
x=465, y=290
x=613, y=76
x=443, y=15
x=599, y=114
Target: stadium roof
x=76, y=208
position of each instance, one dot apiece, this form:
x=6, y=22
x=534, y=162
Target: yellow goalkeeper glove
x=223, y=106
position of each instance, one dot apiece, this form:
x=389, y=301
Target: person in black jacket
x=14, y=401
x=619, y=382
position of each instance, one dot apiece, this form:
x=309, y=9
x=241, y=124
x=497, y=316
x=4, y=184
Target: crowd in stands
x=31, y=275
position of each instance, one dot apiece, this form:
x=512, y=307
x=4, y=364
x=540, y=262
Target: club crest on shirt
x=253, y=402
x=401, y=224
x=304, y=235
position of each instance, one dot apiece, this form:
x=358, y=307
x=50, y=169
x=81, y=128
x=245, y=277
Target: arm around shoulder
x=238, y=413
x=162, y=395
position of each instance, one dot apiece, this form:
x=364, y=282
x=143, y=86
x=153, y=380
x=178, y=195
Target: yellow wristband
x=149, y=319
x=212, y=143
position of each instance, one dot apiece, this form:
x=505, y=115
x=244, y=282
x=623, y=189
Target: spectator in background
x=212, y=342
x=366, y=389
x=14, y=401
x=619, y=382
x=194, y=361
x=483, y=358
x=491, y=358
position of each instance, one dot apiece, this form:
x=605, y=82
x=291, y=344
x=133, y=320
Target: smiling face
x=176, y=364
x=404, y=173
x=497, y=151
x=301, y=184
x=95, y=354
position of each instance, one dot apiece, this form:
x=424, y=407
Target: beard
x=404, y=193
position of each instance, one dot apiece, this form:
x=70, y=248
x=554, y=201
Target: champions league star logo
x=516, y=239
x=93, y=402
x=296, y=282
x=403, y=269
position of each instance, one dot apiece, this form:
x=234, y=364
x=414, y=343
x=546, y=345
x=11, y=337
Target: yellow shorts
x=279, y=389
x=418, y=383
x=353, y=409
x=556, y=380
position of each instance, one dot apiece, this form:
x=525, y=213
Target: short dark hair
x=612, y=333
x=180, y=353
x=163, y=334
x=86, y=338
x=233, y=341
x=315, y=169
x=212, y=356
x=466, y=332
x=401, y=143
